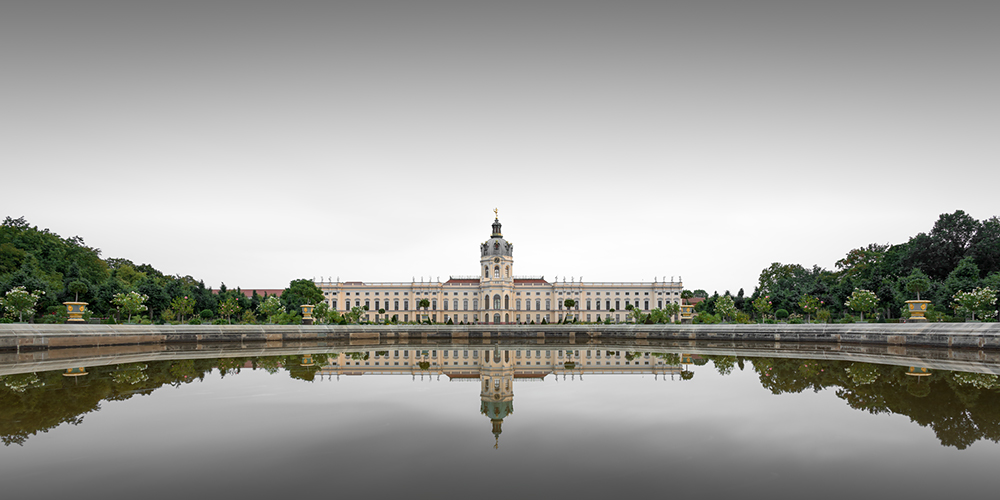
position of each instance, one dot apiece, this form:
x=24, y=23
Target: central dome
x=496, y=245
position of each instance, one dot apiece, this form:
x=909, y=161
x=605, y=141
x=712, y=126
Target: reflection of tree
x=960, y=408
x=36, y=402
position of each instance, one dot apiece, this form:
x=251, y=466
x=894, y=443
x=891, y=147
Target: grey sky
x=255, y=143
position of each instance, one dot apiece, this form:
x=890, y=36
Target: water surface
x=336, y=424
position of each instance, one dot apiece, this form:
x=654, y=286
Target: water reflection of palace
x=496, y=369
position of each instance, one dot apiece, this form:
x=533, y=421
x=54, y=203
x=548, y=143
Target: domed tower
x=496, y=265
x=496, y=374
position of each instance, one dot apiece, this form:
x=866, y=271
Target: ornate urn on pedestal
x=75, y=311
x=307, y=314
x=687, y=313
x=917, y=310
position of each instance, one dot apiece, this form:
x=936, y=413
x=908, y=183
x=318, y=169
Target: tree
x=182, y=306
x=980, y=300
x=354, y=316
x=19, y=301
x=965, y=276
x=762, y=305
x=424, y=303
x=76, y=287
x=671, y=310
x=300, y=292
x=809, y=305
x=229, y=307
x=569, y=303
x=725, y=307
x=270, y=308
x=939, y=252
x=985, y=246
x=917, y=282
x=637, y=315
x=130, y=303
x=862, y=301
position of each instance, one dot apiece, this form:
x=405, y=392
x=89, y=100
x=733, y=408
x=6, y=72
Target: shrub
x=207, y=314
x=781, y=314
x=220, y=321
x=194, y=321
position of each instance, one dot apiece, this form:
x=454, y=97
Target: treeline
x=57, y=270
x=959, y=254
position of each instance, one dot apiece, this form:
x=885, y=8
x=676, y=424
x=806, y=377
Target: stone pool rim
x=26, y=337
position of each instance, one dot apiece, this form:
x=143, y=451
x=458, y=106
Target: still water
x=497, y=422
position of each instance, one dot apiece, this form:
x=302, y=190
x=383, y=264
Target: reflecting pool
x=492, y=421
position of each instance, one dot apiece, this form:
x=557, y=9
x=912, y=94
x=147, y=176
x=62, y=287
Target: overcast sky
x=253, y=143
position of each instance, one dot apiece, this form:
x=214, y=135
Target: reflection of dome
x=497, y=410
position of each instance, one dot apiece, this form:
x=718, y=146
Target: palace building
x=497, y=296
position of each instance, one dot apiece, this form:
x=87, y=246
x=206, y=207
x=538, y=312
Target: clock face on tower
x=496, y=259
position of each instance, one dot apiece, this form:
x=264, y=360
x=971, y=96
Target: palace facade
x=497, y=296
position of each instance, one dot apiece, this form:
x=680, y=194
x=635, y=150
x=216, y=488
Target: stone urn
x=75, y=311
x=917, y=310
x=307, y=314
x=687, y=313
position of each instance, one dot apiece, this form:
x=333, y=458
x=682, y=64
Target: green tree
x=964, y=277
x=985, y=246
x=300, y=292
x=725, y=307
x=130, y=303
x=980, y=300
x=182, y=306
x=229, y=308
x=569, y=303
x=76, y=287
x=809, y=305
x=762, y=305
x=862, y=301
x=19, y=301
x=917, y=282
x=270, y=308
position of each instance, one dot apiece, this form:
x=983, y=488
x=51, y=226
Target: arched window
x=506, y=318
x=395, y=305
x=496, y=318
x=475, y=304
x=496, y=271
x=455, y=303
x=486, y=271
x=406, y=305
x=496, y=301
x=538, y=304
x=646, y=304
x=548, y=304
x=465, y=304
x=446, y=305
x=506, y=272
x=518, y=304
x=506, y=301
